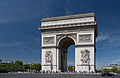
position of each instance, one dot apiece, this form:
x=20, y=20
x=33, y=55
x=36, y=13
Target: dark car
x=107, y=74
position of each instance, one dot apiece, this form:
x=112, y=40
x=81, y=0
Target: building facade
x=116, y=66
x=58, y=33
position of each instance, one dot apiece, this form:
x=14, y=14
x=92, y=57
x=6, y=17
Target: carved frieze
x=48, y=56
x=48, y=40
x=85, y=56
x=68, y=21
x=85, y=38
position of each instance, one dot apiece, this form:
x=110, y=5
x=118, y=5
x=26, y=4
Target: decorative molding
x=85, y=56
x=46, y=47
x=68, y=21
x=70, y=30
x=85, y=38
x=73, y=35
x=48, y=40
x=68, y=17
x=84, y=45
x=83, y=24
x=85, y=65
x=48, y=65
x=58, y=37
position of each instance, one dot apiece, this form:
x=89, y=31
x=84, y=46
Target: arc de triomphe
x=58, y=33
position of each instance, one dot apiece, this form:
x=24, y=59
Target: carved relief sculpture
x=85, y=38
x=85, y=56
x=48, y=40
x=48, y=57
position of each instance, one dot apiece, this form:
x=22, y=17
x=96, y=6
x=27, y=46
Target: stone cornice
x=48, y=65
x=85, y=65
x=84, y=45
x=80, y=45
x=46, y=47
x=84, y=24
x=67, y=17
x=67, y=25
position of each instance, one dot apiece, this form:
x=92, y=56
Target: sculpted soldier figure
x=48, y=56
x=85, y=56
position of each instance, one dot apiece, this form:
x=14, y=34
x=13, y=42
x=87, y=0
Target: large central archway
x=63, y=46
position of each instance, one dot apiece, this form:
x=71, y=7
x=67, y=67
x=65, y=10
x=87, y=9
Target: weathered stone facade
x=58, y=33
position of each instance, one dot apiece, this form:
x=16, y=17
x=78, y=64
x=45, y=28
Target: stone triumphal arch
x=58, y=33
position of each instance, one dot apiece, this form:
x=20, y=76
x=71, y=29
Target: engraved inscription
x=85, y=56
x=48, y=56
x=48, y=40
x=85, y=38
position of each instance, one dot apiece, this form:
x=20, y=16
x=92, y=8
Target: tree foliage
x=106, y=70
x=98, y=71
x=115, y=70
x=26, y=66
x=36, y=67
x=70, y=68
x=18, y=66
x=19, y=63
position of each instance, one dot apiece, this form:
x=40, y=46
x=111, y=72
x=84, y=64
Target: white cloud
x=114, y=39
x=102, y=37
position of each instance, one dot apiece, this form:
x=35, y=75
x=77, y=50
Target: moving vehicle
x=107, y=74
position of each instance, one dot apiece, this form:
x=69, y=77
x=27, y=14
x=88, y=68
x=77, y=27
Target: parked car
x=107, y=74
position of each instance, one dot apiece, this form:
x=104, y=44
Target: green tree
x=4, y=68
x=98, y=71
x=114, y=70
x=118, y=71
x=32, y=67
x=106, y=70
x=18, y=66
x=70, y=68
x=26, y=66
x=36, y=67
x=19, y=63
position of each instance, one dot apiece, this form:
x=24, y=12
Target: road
x=5, y=75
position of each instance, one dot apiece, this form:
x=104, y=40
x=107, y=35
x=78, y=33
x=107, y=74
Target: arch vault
x=58, y=33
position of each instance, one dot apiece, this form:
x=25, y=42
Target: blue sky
x=20, y=37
